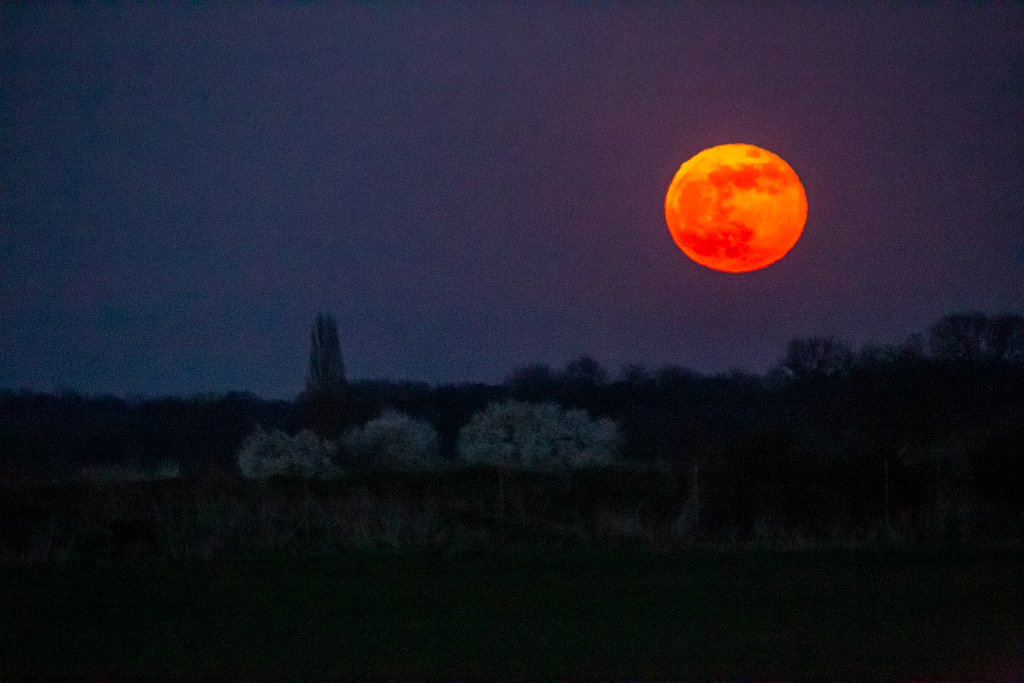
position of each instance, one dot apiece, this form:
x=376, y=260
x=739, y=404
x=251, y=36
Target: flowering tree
x=537, y=436
x=394, y=440
x=264, y=454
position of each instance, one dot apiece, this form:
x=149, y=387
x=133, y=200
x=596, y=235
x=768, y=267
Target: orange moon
x=736, y=208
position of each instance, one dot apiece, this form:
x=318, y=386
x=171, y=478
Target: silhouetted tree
x=978, y=338
x=583, y=384
x=535, y=382
x=585, y=372
x=325, y=383
x=817, y=357
x=636, y=375
x=959, y=337
x=326, y=368
x=1006, y=338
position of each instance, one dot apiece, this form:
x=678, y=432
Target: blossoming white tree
x=394, y=440
x=264, y=454
x=537, y=436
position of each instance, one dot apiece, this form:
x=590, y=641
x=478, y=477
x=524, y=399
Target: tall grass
x=452, y=510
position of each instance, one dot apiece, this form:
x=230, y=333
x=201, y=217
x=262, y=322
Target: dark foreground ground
x=537, y=612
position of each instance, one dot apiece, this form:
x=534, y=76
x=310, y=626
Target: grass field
x=538, y=613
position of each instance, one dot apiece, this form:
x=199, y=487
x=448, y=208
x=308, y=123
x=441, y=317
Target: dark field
x=595, y=612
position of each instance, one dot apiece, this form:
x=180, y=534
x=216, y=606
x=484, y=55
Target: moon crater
x=736, y=208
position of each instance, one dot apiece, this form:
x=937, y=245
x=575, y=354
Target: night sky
x=473, y=188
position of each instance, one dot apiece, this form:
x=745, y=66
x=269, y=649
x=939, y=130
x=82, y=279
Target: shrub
x=537, y=436
x=264, y=454
x=394, y=440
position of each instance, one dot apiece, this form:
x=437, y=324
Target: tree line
x=950, y=399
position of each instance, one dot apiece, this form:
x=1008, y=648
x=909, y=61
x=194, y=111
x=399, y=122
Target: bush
x=263, y=455
x=537, y=436
x=394, y=440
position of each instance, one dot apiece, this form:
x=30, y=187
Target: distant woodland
x=925, y=434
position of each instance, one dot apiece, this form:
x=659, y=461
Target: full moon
x=736, y=208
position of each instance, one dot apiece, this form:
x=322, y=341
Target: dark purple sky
x=470, y=189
